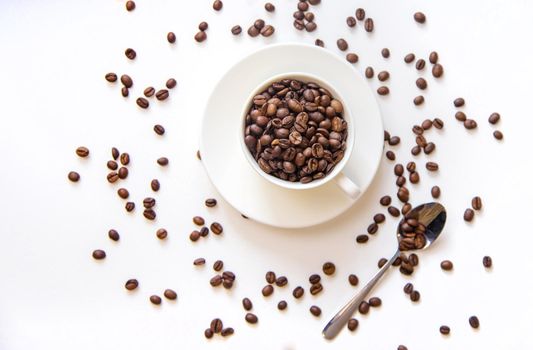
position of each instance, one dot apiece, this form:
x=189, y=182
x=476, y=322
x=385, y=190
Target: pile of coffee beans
x=217, y=327
x=303, y=18
x=295, y=130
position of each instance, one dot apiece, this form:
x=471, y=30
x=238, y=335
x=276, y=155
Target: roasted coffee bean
x=210, y=202
x=198, y=220
x=131, y=284
x=251, y=318
x=427, y=124
x=309, y=16
x=247, y=304
x=162, y=94
x=123, y=193
x=352, y=58
x=364, y=307
x=270, y=7
x=361, y=238
x=281, y=281
x=216, y=228
x=372, y=228
x=414, y=296
x=419, y=17
x=267, y=31
x=130, y=5
x=195, y=235
x=432, y=166
x=342, y=44
x=393, y=211
x=390, y=155
x=218, y=265
x=154, y=184
x=123, y=173
x=199, y=261
x=459, y=102
x=420, y=64
x=394, y=140
x=430, y=147
x=130, y=206
x=159, y=129
x=487, y=261
x=298, y=24
x=328, y=268
x=319, y=42
x=369, y=72
x=99, y=254
x=163, y=161
x=476, y=203
x=379, y=218
x=410, y=57
x=171, y=37
x=445, y=330
x=282, y=305
x=112, y=177
x=171, y=83
x=382, y=262
x=460, y=116
x=226, y=332
x=446, y=265
x=385, y=53
x=352, y=324
x=411, y=167
x=125, y=158
x=216, y=280
x=126, y=80
x=435, y=192
x=200, y=36
x=316, y=288
x=416, y=150
x=383, y=75
x=267, y=290
x=155, y=299
x=310, y=26
x=418, y=100
x=498, y=135
x=204, y=231
x=398, y=170
x=298, y=292
x=385, y=200
x=111, y=77
x=414, y=177
x=130, y=53
x=236, y=30
x=470, y=124
x=383, y=90
x=142, y=102
x=203, y=26
x=417, y=130
x=438, y=123
x=124, y=91
x=149, y=91
x=474, y=322
x=315, y=310
x=406, y=208
x=314, y=278
x=82, y=152
x=408, y=288
x=403, y=194
x=161, y=233
x=369, y=25
x=421, y=83
x=149, y=202
x=350, y=21
x=468, y=215
x=400, y=181
x=360, y=14
x=437, y=70
x=216, y=325
x=73, y=176
x=217, y=5
x=494, y=118
x=303, y=6
x=149, y=214
x=113, y=235
x=433, y=57
x=374, y=302
x=353, y=280
x=270, y=277
x=208, y=333
x=170, y=294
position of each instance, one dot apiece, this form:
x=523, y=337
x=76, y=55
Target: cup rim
x=350, y=144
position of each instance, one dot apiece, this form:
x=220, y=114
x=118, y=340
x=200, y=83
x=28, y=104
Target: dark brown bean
x=468, y=215
x=432, y=166
x=298, y=292
x=342, y=44
x=216, y=228
x=437, y=70
x=131, y=284
x=435, y=192
x=216, y=281
x=353, y=280
x=99, y=254
x=126, y=80
x=149, y=202
x=210, y=202
x=123, y=193
x=446, y=265
x=310, y=26
x=476, y=203
x=125, y=91
x=142, y=102
x=149, y=91
x=403, y=194
x=470, y=124
x=170, y=294
x=216, y=325
x=421, y=83
x=418, y=100
x=159, y=129
x=360, y=14
x=319, y=42
x=163, y=161
x=155, y=299
x=414, y=296
x=379, y=218
x=438, y=123
x=416, y=150
x=251, y=318
x=361, y=238
x=199, y=261
x=429, y=148
x=400, y=181
x=113, y=235
x=369, y=25
x=149, y=214
x=130, y=53
x=420, y=64
x=123, y=173
x=385, y=200
x=154, y=184
x=385, y=52
x=459, y=102
x=372, y=228
x=394, y=140
x=351, y=21
x=487, y=261
x=218, y=265
x=200, y=36
x=198, y=220
x=247, y=304
x=408, y=288
x=383, y=75
x=236, y=30
x=171, y=37
x=393, y=211
x=217, y=5
x=374, y=302
x=460, y=116
x=270, y=7
x=414, y=177
x=409, y=58
x=390, y=155
x=433, y=57
x=267, y=290
x=445, y=330
x=328, y=268
x=474, y=322
x=171, y=83
x=382, y=262
x=82, y=152
x=161, y=233
x=352, y=324
x=398, y=169
x=352, y=57
x=270, y=277
x=208, y=333
x=316, y=288
x=112, y=177
x=73, y=176
x=195, y=235
x=130, y=5
x=115, y=153
x=383, y=90
x=130, y=206
x=162, y=94
x=494, y=118
x=315, y=310
x=364, y=307
x=498, y=135
x=267, y=31
x=282, y=305
x=369, y=72
x=419, y=17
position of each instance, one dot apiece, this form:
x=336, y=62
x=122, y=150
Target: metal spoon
x=432, y=216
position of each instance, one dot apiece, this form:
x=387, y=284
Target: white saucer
x=239, y=183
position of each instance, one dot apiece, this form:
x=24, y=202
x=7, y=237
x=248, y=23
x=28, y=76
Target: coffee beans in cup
x=296, y=131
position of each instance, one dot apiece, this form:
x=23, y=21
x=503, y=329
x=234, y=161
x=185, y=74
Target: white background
x=53, y=295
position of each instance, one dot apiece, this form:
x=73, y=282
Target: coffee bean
x=408, y=288
x=361, y=238
x=314, y=2
x=203, y=26
x=131, y=284
x=163, y=161
x=383, y=90
x=170, y=294
x=270, y=277
x=161, y=233
x=281, y=281
x=382, y=262
x=433, y=57
x=410, y=57
x=437, y=70
x=282, y=305
x=319, y=42
x=360, y=14
x=204, y=231
x=427, y=124
x=328, y=268
x=470, y=124
x=400, y=181
x=364, y=307
x=369, y=25
x=416, y=150
x=372, y=228
x=398, y=170
x=215, y=281
x=126, y=80
x=352, y=58
x=352, y=324
x=149, y=214
x=476, y=203
x=432, y=166
x=195, y=235
x=73, y=176
x=236, y=30
x=199, y=261
x=459, y=102
x=217, y=5
x=156, y=300
x=154, y=184
x=498, y=135
x=468, y=215
x=414, y=177
x=385, y=53
x=435, y=192
x=414, y=296
x=393, y=211
x=226, y=332
x=267, y=31
x=142, y=102
x=374, y=302
x=314, y=278
x=270, y=7
x=385, y=200
x=460, y=116
x=394, y=140
x=303, y=6
x=125, y=91
x=218, y=265
x=216, y=325
x=315, y=310
x=298, y=24
x=420, y=64
x=247, y=304
x=210, y=202
x=82, y=152
x=112, y=165
x=113, y=235
x=99, y=254
x=390, y=155
x=111, y=77
x=421, y=83
x=123, y=193
x=200, y=36
x=418, y=100
x=494, y=118
x=383, y=75
x=298, y=292
x=198, y=220
x=342, y=44
x=208, y=333
x=149, y=91
x=130, y=5
x=438, y=123
x=111, y=177
x=419, y=17
x=309, y=16
x=403, y=194
x=171, y=37
x=149, y=202
x=487, y=261
x=130, y=53
x=267, y=290
x=379, y=218
x=130, y=206
x=171, y=83
x=446, y=265
x=159, y=129
x=445, y=330
x=369, y=72
x=353, y=280
x=123, y=173
x=350, y=21
x=430, y=147
x=216, y=228
x=316, y=288
x=251, y=318
x=162, y=94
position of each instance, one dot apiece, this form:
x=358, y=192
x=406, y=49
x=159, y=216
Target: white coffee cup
x=347, y=185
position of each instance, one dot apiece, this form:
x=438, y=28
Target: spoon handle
x=341, y=318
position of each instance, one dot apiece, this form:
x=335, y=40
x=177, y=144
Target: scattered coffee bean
x=328, y=268
x=385, y=200
x=369, y=25
x=414, y=296
x=437, y=70
x=433, y=57
x=406, y=208
x=159, y=129
x=130, y=206
x=403, y=194
x=113, y=235
x=419, y=17
x=203, y=26
x=342, y=44
x=352, y=324
x=112, y=177
x=218, y=265
x=438, y=123
x=314, y=278
x=420, y=64
x=131, y=284
x=444, y=330
x=82, y=152
x=303, y=6
x=361, y=238
x=460, y=116
x=360, y=14
x=195, y=235
x=459, y=102
x=418, y=100
x=316, y=288
x=430, y=147
x=170, y=294
x=394, y=140
x=99, y=254
x=154, y=184
x=216, y=281
x=393, y=211
x=270, y=7
x=247, y=304
x=364, y=307
x=142, y=102
x=112, y=165
x=161, y=233
x=351, y=21
x=163, y=161
x=73, y=176
x=374, y=302
x=270, y=277
x=309, y=16
x=474, y=322
x=216, y=228
x=216, y=325
x=298, y=292
x=162, y=94
x=123, y=173
x=398, y=169
x=130, y=53
x=382, y=262
x=204, y=231
x=149, y=202
x=226, y=332
x=476, y=203
x=125, y=158
x=379, y=218
x=383, y=90
x=210, y=202
x=390, y=155
x=352, y=57
x=435, y=192
x=267, y=31
x=199, y=261
x=353, y=280
x=156, y=300
x=198, y=220
x=149, y=214
x=432, y=166
x=267, y=290
x=400, y=181
x=408, y=288
x=171, y=83
x=111, y=77
x=414, y=177
x=498, y=135
x=315, y=310
x=372, y=228
x=416, y=150
x=125, y=91
x=470, y=124
x=421, y=83
x=200, y=36
x=319, y=42
x=487, y=261
x=282, y=305
x=208, y=333
x=369, y=72
x=468, y=215
x=494, y=118
x=251, y=318
x=171, y=37
x=217, y=5
x=130, y=5
x=126, y=80
x=236, y=30
x=383, y=75
x=385, y=52
x=410, y=57
x=149, y=91
x=446, y=265
x=123, y=193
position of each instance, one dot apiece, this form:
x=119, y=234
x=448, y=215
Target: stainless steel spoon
x=432, y=216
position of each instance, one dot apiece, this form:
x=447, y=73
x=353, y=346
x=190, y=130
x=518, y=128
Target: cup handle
x=348, y=186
